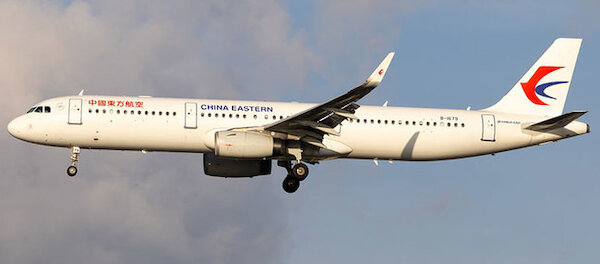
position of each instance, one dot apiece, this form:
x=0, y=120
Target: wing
x=312, y=124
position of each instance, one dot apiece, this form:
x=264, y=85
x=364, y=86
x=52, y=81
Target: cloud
x=126, y=207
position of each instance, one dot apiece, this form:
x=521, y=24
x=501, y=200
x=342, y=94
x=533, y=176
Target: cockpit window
x=40, y=109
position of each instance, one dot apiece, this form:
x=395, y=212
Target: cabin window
x=223, y=115
x=167, y=113
x=449, y=124
x=159, y=113
x=427, y=123
x=174, y=113
x=414, y=123
x=98, y=111
x=379, y=121
x=230, y=115
x=244, y=116
x=434, y=123
x=124, y=112
x=274, y=117
x=455, y=124
x=132, y=112
x=372, y=121
x=208, y=114
x=255, y=116
x=89, y=110
x=393, y=122
x=237, y=115
x=280, y=117
x=153, y=112
x=104, y=111
x=462, y=125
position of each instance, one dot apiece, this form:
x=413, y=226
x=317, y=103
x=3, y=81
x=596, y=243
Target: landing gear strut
x=72, y=170
x=295, y=175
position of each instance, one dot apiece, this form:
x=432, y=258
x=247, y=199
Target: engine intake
x=244, y=144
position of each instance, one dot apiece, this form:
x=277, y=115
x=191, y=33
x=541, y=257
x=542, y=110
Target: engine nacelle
x=228, y=167
x=245, y=144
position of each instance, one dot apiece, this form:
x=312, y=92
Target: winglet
x=377, y=75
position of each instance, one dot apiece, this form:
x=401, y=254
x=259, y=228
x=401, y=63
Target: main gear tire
x=291, y=184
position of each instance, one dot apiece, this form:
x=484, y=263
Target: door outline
x=191, y=116
x=75, y=111
x=488, y=127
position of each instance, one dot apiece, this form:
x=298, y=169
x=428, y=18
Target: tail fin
x=543, y=89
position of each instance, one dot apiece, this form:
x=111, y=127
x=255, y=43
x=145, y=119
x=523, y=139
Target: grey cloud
x=127, y=207
x=158, y=208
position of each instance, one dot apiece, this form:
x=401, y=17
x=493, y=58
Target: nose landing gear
x=295, y=175
x=72, y=170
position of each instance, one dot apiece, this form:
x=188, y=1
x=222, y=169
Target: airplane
x=242, y=138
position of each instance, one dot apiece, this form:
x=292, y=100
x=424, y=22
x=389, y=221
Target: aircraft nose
x=15, y=127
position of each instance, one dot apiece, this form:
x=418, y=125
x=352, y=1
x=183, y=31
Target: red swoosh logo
x=529, y=86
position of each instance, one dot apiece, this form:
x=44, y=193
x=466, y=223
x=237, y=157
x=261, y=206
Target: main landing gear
x=295, y=175
x=72, y=170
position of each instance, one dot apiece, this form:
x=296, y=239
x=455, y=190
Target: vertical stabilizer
x=544, y=87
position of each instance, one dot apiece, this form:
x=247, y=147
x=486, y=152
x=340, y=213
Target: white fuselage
x=188, y=125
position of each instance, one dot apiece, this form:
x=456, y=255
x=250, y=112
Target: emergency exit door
x=191, y=115
x=488, y=123
x=75, y=111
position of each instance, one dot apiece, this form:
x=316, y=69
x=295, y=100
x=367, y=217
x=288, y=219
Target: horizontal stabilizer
x=556, y=122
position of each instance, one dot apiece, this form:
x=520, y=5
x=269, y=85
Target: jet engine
x=231, y=167
x=247, y=144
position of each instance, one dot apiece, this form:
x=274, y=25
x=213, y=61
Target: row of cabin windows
x=274, y=117
x=132, y=112
x=365, y=121
x=400, y=122
x=40, y=109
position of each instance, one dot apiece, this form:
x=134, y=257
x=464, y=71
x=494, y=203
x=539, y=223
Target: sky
x=538, y=204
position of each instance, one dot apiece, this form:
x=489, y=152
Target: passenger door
x=75, y=111
x=488, y=123
x=191, y=115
